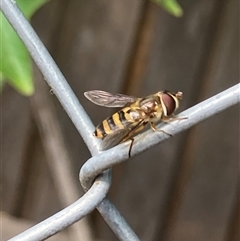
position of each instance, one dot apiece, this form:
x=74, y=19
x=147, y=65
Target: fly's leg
x=166, y=119
x=172, y=118
x=154, y=128
x=130, y=148
x=132, y=133
x=130, y=137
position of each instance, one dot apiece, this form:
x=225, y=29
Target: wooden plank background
x=186, y=188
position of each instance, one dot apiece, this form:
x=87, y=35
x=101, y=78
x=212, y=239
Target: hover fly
x=135, y=114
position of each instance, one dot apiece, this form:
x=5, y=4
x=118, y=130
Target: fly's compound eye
x=169, y=103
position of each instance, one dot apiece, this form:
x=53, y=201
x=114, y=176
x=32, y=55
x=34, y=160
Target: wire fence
x=95, y=175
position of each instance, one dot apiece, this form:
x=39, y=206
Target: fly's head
x=169, y=101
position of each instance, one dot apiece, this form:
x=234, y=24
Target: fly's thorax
x=149, y=104
x=151, y=107
x=133, y=113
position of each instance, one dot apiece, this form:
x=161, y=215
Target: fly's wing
x=113, y=139
x=107, y=99
x=118, y=136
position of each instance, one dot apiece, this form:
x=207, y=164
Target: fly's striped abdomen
x=118, y=121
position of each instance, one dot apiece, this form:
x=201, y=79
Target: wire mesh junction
x=97, y=188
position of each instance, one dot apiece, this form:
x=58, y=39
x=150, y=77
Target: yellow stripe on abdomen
x=99, y=133
x=106, y=127
x=116, y=119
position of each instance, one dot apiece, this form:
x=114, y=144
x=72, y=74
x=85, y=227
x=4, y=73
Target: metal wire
x=67, y=216
x=98, y=188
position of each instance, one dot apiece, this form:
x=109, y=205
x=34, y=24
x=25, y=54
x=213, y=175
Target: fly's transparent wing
x=107, y=99
x=113, y=139
x=120, y=135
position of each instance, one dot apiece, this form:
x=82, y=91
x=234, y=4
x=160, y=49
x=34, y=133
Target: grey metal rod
x=112, y=216
x=67, y=216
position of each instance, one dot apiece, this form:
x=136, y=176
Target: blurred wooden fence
x=186, y=188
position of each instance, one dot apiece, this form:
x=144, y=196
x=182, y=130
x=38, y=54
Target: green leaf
x=15, y=61
x=29, y=7
x=171, y=6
